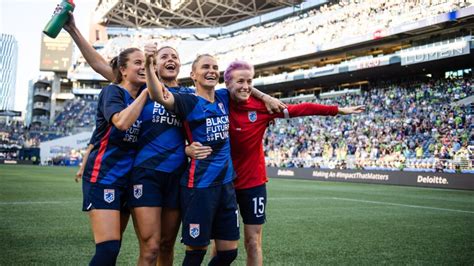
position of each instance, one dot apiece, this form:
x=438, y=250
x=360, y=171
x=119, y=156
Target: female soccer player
x=159, y=161
x=160, y=158
x=106, y=173
x=248, y=121
x=208, y=203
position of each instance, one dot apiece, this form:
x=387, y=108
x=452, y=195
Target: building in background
x=8, y=68
x=48, y=94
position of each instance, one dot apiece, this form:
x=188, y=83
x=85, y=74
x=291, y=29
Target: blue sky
x=25, y=19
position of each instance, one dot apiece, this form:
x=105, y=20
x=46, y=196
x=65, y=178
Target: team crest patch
x=252, y=116
x=137, y=191
x=194, y=230
x=221, y=106
x=109, y=195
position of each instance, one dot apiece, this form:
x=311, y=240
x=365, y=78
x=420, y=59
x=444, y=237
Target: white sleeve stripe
x=287, y=114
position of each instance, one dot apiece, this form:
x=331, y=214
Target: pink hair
x=237, y=65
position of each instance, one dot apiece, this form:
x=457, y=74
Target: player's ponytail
x=114, y=65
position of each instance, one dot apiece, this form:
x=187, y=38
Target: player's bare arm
x=93, y=58
x=125, y=119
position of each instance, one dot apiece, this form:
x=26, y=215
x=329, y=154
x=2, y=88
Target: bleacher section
x=330, y=26
x=407, y=125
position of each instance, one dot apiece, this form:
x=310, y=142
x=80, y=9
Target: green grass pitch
x=308, y=223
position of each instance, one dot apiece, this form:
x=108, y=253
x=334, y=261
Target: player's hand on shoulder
x=273, y=105
x=197, y=151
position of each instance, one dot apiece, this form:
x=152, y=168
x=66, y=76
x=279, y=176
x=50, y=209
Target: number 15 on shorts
x=258, y=206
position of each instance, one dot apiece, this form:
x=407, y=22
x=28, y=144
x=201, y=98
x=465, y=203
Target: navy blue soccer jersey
x=208, y=123
x=111, y=159
x=161, y=140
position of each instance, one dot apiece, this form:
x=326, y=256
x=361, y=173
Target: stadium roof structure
x=182, y=13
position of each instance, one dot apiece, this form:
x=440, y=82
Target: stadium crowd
x=77, y=115
x=411, y=126
x=331, y=25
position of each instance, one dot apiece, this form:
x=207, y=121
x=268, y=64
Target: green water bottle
x=60, y=16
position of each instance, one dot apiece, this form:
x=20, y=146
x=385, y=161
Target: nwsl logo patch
x=194, y=230
x=109, y=195
x=221, y=106
x=137, y=191
x=252, y=116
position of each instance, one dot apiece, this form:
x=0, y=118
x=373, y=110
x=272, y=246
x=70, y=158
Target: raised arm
x=307, y=109
x=158, y=92
x=124, y=119
x=93, y=58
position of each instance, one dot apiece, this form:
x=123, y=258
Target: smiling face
x=205, y=73
x=168, y=64
x=134, y=69
x=240, y=84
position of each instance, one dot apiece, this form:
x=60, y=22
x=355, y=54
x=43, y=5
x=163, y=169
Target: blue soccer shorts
x=152, y=188
x=209, y=213
x=101, y=196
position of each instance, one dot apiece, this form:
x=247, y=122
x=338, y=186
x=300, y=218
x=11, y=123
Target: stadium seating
x=78, y=115
x=332, y=25
x=410, y=125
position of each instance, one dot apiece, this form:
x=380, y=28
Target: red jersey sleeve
x=307, y=109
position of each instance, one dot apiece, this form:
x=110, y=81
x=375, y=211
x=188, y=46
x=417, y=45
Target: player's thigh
x=105, y=224
x=148, y=222
x=170, y=222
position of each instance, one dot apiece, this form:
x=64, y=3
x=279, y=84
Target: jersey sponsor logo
x=161, y=116
x=137, y=191
x=217, y=128
x=194, y=230
x=131, y=135
x=109, y=195
x=221, y=106
x=252, y=116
